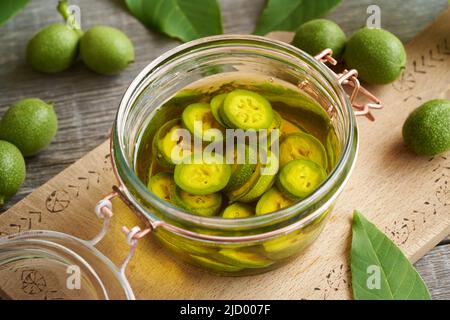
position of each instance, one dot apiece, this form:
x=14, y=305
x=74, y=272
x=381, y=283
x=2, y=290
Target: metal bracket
x=350, y=78
x=104, y=211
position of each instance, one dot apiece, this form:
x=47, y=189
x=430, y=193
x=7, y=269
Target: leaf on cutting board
x=289, y=15
x=8, y=8
x=380, y=270
x=182, y=19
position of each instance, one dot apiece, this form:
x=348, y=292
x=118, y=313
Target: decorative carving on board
x=33, y=282
x=433, y=58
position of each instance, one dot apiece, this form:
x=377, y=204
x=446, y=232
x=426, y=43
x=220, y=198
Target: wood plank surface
x=434, y=270
x=86, y=102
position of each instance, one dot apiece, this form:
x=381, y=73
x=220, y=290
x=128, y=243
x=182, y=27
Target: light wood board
x=406, y=196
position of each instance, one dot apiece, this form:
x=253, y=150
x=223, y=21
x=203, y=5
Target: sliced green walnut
x=265, y=180
x=333, y=147
x=198, y=119
x=273, y=134
x=208, y=176
x=162, y=185
x=277, y=121
x=215, y=104
x=301, y=145
x=271, y=201
x=182, y=248
x=245, y=259
x=237, y=210
x=239, y=192
x=244, y=163
x=214, y=265
x=183, y=245
x=244, y=109
x=286, y=246
x=264, y=183
x=299, y=178
x=203, y=205
x=166, y=139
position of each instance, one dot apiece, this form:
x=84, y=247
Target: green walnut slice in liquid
x=214, y=265
x=239, y=192
x=276, y=125
x=271, y=201
x=182, y=245
x=209, y=176
x=301, y=145
x=244, y=109
x=237, y=210
x=217, y=103
x=162, y=185
x=285, y=246
x=243, y=166
x=203, y=205
x=164, y=142
x=277, y=121
x=265, y=181
x=202, y=114
x=245, y=259
x=299, y=178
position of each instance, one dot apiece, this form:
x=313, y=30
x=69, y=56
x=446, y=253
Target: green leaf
x=380, y=271
x=289, y=15
x=9, y=8
x=183, y=19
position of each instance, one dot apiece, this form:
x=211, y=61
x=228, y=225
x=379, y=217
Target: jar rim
x=118, y=148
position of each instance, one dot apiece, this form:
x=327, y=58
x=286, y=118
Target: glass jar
x=49, y=265
x=232, y=246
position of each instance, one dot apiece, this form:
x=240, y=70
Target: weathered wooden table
x=86, y=102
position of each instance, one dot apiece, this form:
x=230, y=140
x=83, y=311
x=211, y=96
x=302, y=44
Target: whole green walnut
x=12, y=170
x=426, y=131
x=106, y=50
x=54, y=48
x=317, y=35
x=30, y=125
x=377, y=54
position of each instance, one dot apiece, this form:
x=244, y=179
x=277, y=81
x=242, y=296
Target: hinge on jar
x=350, y=78
x=104, y=210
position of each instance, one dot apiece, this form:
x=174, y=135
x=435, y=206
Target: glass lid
x=49, y=265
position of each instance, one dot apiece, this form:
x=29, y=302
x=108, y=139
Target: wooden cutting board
x=406, y=196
